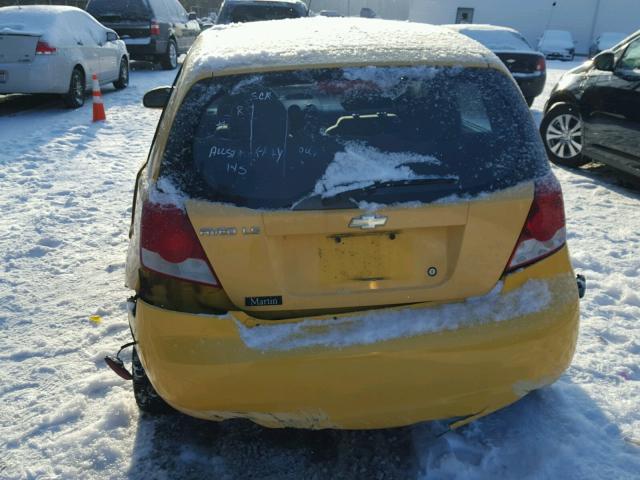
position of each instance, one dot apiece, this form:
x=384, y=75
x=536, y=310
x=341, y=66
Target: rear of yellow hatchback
x=350, y=246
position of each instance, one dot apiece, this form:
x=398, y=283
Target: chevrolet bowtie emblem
x=368, y=222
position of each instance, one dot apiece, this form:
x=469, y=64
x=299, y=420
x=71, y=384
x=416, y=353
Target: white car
x=55, y=49
x=606, y=41
x=557, y=45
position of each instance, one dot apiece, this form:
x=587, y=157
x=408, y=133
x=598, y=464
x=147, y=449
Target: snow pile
x=65, y=194
x=383, y=325
x=328, y=41
x=165, y=192
x=359, y=166
x=388, y=78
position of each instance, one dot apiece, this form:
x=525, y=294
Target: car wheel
x=530, y=100
x=170, y=58
x=561, y=132
x=74, y=98
x=123, y=76
x=146, y=396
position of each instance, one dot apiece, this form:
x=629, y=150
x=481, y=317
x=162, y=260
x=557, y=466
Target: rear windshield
x=499, y=40
x=27, y=21
x=234, y=13
x=330, y=138
x=119, y=10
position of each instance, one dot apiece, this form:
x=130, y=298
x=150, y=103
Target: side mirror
x=193, y=16
x=605, y=61
x=157, y=97
x=112, y=36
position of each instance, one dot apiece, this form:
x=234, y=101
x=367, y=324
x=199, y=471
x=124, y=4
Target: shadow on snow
x=557, y=432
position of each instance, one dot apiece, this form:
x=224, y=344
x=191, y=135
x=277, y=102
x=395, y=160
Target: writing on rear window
x=316, y=139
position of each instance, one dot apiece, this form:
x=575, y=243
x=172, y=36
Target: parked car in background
x=527, y=66
x=594, y=111
x=557, y=45
x=154, y=30
x=366, y=12
x=240, y=11
x=56, y=49
x=399, y=165
x=605, y=41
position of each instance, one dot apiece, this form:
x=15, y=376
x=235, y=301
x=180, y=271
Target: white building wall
x=585, y=19
x=392, y=9
x=618, y=16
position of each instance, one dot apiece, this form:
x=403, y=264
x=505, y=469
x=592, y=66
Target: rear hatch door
x=129, y=18
x=314, y=260
x=347, y=188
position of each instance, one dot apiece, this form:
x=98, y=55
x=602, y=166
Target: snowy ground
x=65, y=204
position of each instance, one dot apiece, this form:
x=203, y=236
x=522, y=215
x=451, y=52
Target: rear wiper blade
x=397, y=183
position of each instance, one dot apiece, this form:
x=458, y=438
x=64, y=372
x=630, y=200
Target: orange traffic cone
x=98, y=106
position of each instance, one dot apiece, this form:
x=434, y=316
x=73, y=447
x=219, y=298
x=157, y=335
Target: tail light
x=155, y=28
x=541, y=66
x=169, y=245
x=43, y=48
x=544, y=231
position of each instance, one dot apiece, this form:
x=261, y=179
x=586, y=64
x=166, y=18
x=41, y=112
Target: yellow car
x=346, y=223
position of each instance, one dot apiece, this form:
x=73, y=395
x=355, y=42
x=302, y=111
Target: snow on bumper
x=212, y=367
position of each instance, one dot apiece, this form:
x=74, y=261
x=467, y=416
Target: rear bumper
x=147, y=51
x=531, y=84
x=203, y=365
x=43, y=75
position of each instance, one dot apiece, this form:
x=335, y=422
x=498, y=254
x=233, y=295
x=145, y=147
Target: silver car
x=55, y=49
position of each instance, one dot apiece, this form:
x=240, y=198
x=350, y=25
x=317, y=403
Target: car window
x=631, y=58
x=176, y=10
x=82, y=29
x=160, y=10
x=268, y=141
x=239, y=13
x=119, y=10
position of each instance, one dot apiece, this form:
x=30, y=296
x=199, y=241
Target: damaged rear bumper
x=205, y=366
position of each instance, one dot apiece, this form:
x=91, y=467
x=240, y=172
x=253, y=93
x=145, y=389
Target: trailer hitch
x=117, y=365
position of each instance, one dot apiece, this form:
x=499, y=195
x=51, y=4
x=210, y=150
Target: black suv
x=155, y=30
x=593, y=113
x=240, y=11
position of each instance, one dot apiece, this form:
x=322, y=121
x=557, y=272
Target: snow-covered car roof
x=494, y=37
x=479, y=27
x=30, y=18
x=320, y=42
x=557, y=34
x=267, y=1
x=54, y=23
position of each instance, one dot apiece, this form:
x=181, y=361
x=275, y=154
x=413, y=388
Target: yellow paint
x=312, y=259
x=200, y=365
